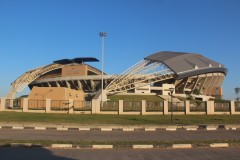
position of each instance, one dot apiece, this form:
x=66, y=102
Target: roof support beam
x=68, y=84
x=79, y=84
x=202, y=83
x=210, y=84
x=195, y=83
x=57, y=84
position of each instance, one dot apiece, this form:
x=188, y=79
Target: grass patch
x=95, y=119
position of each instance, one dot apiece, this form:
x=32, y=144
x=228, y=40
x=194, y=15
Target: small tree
x=237, y=92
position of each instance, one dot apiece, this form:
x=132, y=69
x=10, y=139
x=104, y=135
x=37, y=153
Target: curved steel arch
x=139, y=75
x=20, y=83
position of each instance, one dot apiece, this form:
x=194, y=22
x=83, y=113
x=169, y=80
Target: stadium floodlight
x=102, y=35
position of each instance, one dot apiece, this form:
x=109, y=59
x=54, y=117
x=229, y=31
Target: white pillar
x=2, y=103
x=187, y=107
x=25, y=104
x=95, y=106
x=143, y=107
x=232, y=105
x=210, y=107
x=11, y=103
x=120, y=109
x=165, y=107
x=70, y=106
x=48, y=105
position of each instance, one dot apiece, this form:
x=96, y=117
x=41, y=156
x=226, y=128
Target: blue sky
x=34, y=33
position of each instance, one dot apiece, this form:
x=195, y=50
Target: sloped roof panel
x=180, y=62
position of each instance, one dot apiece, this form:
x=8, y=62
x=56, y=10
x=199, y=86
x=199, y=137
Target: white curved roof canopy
x=187, y=64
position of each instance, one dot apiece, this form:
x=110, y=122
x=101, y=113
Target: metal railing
x=60, y=105
x=222, y=107
x=176, y=106
x=198, y=106
x=8, y=103
x=13, y=104
x=34, y=104
x=129, y=106
x=237, y=106
x=82, y=105
x=17, y=104
x=154, y=106
x=109, y=106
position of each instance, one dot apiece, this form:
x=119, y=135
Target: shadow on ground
x=23, y=153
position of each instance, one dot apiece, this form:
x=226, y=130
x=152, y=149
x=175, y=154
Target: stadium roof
x=76, y=60
x=187, y=64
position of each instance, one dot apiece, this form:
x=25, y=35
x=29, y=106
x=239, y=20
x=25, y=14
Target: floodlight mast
x=102, y=35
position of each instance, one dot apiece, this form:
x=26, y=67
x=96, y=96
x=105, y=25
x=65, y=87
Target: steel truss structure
x=141, y=74
x=204, y=83
x=20, y=83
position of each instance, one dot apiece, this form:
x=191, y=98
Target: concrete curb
x=84, y=129
x=109, y=146
x=219, y=145
x=138, y=146
x=102, y=146
x=171, y=129
x=150, y=129
x=18, y=127
x=179, y=146
x=127, y=129
x=106, y=129
x=40, y=128
x=21, y=144
x=62, y=129
x=61, y=146
x=192, y=129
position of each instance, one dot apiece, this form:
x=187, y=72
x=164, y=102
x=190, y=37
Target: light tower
x=102, y=35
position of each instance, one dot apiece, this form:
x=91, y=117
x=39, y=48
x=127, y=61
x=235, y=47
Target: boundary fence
x=119, y=107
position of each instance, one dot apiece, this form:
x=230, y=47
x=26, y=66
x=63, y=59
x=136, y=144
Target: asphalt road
x=119, y=154
x=181, y=135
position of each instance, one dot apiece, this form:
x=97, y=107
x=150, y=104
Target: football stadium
x=187, y=73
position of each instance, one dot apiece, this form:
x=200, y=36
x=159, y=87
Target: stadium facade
x=188, y=73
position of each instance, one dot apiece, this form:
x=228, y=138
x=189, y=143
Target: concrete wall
x=74, y=70
x=143, y=89
x=56, y=93
x=165, y=88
